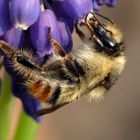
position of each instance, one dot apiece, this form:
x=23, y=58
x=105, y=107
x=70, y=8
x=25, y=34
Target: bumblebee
x=91, y=69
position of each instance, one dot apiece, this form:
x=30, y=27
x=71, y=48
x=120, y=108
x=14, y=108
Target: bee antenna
x=58, y=48
x=106, y=18
x=98, y=21
x=102, y=17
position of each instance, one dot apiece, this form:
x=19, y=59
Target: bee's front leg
x=57, y=47
x=67, y=57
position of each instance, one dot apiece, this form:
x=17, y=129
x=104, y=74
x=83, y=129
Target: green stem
x=27, y=128
x=6, y=104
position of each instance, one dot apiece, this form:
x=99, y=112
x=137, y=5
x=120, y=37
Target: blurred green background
x=117, y=117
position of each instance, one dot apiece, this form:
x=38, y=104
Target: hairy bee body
x=91, y=69
x=59, y=84
x=100, y=74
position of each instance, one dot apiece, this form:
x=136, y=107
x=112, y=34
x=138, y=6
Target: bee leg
x=68, y=59
x=57, y=47
x=97, y=42
x=45, y=111
x=17, y=56
x=85, y=23
x=97, y=21
x=71, y=65
x=89, y=25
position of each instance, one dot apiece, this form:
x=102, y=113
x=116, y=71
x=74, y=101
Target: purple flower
x=65, y=34
x=75, y=9
x=59, y=31
x=97, y=3
x=39, y=32
x=24, y=13
x=111, y=2
x=30, y=104
x=100, y=2
x=14, y=37
x=4, y=17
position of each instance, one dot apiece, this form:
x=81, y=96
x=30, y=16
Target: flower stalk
x=6, y=104
x=27, y=128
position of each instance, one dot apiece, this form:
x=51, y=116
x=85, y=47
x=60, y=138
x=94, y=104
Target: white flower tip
x=21, y=26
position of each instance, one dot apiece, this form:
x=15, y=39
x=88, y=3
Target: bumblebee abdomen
x=39, y=90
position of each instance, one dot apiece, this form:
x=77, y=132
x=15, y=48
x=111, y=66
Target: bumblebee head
x=107, y=37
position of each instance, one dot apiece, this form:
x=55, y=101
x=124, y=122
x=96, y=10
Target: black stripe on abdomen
x=55, y=95
x=75, y=68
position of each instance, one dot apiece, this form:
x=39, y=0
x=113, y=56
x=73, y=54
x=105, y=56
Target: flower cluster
x=25, y=24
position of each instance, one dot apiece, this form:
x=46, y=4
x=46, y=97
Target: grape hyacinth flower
x=24, y=14
x=25, y=24
x=4, y=15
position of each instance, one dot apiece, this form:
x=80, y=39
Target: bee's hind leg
x=17, y=56
x=45, y=111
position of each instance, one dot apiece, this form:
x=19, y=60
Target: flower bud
x=96, y=6
x=100, y=2
x=24, y=12
x=4, y=16
x=111, y=2
x=66, y=37
x=39, y=32
x=14, y=37
x=30, y=104
x=75, y=9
